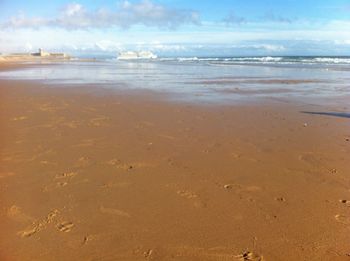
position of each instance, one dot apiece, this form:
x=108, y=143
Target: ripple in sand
x=20, y=118
x=86, y=143
x=116, y=163
x=72, y=124
x=242, y=188
x=114, y=211
x=6, y=174
x=99, y=121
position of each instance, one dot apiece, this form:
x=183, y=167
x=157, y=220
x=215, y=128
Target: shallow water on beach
x=209, y=80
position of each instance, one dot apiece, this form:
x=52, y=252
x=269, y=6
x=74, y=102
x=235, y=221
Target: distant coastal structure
x=131, y=55
x=42, y=53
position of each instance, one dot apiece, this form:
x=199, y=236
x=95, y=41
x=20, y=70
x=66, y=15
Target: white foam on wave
x=264, y=60
x=184, y=59
x=256, y=59
x=337, y=60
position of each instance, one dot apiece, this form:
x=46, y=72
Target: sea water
x=203, y=78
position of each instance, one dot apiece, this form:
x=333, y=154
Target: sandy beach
x=108, y=175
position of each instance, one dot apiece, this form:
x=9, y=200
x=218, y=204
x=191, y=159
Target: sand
x=91, y=175
x=27, y=57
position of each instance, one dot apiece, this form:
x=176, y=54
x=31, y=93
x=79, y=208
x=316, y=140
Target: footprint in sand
x=345, y=202
x=63, y=180
x=149, y=253
x=249, y=256
x=197, y=202
x=342, y=219
x=69, y=174
x=61, y=184
x=29, y=232
x=65, y=226
x=229, y=186
x=333, y=171
x=280, y=199
x=39, y=225
x=85, y=240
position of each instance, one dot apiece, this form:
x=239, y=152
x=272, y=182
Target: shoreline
x=111, y=175
x=327, y=93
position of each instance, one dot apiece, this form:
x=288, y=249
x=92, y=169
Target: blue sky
x=178, y=27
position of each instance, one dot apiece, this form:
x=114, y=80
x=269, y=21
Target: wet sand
x=107, y=175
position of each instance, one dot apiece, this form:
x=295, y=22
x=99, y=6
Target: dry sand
x=132, y=177
x=27, y=57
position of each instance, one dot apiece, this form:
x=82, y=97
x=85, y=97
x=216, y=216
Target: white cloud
x=342, y=42
x=260, y=47
x=269, y=47
x=73, y=9
x=21, y=20
x=145, y=12
x=167, y=47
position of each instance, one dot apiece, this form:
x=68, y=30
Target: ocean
x=204, y=79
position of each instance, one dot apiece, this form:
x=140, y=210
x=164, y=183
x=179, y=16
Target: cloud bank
x=79, y=28
x=270, y=16
x=75, y=16
x=233, y=19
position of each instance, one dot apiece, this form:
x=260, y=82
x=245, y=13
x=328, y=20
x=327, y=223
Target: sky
x=177, y=27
